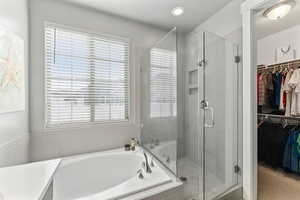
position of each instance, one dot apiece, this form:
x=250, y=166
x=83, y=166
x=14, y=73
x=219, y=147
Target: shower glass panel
x=159, y=101
x=189, y=162
x=210, y=155
x=219, y=72
x=190, y=111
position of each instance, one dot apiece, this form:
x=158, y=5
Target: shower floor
x=194, y=185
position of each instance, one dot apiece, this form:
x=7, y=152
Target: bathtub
x=105, y=176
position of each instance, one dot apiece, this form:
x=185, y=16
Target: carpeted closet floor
x=276, y=185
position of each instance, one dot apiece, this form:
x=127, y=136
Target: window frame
x=78, y=125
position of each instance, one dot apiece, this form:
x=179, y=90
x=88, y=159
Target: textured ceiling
x=158, y=12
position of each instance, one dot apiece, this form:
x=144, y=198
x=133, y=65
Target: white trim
x=79, y=126
x=88, y=31
x=248, y=10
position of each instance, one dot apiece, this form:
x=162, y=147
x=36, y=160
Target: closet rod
x=284, y=64
x=277, y=116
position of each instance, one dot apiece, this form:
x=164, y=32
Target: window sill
x=69, y=127
x=163, y=118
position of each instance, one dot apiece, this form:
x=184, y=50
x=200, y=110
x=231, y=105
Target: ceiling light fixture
x=279, y=10
x=177, y=11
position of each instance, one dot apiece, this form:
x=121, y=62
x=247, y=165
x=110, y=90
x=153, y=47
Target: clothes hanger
x=260, y=123
x=265, y=119
x=274, y=70
x=280, y=69
x=284, y=123
x=286, y=70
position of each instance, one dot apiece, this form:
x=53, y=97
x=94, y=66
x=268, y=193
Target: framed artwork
x=12, y=77
x=285, y=54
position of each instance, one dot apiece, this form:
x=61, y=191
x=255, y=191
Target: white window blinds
x=163, y=85
x=86, y=77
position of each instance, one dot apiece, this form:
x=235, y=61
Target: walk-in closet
x=278, y=102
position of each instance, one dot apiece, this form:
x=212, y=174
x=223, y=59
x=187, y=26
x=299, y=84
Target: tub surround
x=28, y=181
x=166, y=152
x=108, y=175
x=111, y=175
x=169, y=191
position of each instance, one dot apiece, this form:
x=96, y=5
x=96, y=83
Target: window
x=163, y=85
x=86, y=77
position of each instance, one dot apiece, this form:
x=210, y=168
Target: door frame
x=248, y=10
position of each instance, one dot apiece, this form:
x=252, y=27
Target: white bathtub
x=105, y=175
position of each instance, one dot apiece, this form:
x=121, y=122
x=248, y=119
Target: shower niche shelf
x=193, y=70
x=193, y=86
x=193, y=81
x=193, y=91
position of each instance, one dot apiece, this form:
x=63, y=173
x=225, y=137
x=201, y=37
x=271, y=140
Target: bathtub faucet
x=148, y=168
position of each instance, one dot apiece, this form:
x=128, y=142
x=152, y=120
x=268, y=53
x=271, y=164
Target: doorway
x=260, y=179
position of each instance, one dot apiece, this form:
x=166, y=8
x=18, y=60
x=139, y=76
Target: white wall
x=14, y=126
x=266, y=47
x=46, y=144
x=224, y=22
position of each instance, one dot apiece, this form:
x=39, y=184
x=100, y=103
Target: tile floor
x=193, y=187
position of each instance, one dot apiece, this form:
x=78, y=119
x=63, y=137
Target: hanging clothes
x=261, y=88
x=294, y=83
x=291, y=156
x=272, y=139
x=277, y=78
x=282, y=104
x=270, y=90
x=279, y=147
x=288, y=92
x=279, y=92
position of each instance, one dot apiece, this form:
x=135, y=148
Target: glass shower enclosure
x=190, y=111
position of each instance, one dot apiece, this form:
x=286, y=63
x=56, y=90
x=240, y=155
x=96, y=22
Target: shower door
x=218, y=115
x=190, y=111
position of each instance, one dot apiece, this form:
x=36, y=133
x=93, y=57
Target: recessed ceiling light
x=280, y=9
x=177, y=11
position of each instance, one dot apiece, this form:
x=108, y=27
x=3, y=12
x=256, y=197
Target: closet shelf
x=293, y=63
x=277, y=116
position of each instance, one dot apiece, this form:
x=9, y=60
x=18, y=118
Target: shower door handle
x=212, y=121
x=210, y=109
